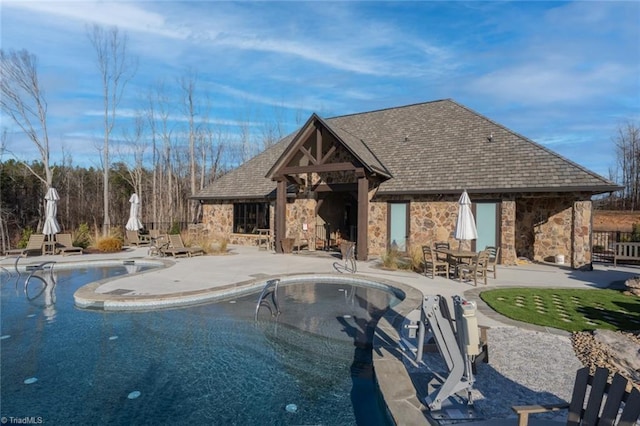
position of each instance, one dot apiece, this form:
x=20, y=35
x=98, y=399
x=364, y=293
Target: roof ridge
x=391, y=108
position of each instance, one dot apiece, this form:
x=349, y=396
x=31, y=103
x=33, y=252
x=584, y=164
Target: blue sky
x=564, y=74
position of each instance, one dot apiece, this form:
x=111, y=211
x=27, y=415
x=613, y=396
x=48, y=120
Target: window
x=249, y=217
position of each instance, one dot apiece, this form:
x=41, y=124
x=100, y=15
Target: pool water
x=208, y=364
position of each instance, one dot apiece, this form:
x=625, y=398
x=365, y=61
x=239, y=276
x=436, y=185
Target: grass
x=567, y=309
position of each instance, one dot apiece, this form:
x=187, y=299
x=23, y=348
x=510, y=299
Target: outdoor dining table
x=460, y=256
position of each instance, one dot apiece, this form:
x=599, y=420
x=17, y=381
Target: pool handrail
x=273, y=285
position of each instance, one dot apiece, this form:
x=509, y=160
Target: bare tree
x=116, y=69
x=188, y=86
x=628, y=158
x=133, y=157
x=4, y=229
x=23, y=100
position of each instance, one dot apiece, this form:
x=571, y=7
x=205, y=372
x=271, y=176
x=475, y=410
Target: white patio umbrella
x=51, y=226
x=466, y=224
x=133, y=224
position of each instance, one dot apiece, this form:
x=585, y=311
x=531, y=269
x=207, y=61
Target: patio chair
x=135, y=238
x=176, y=243
x=64, y=245
x=494, y=252
x=442, y=257
x=431, y=263
x=34, y=245
x=603, y=401
x=441, y=245
x=476, y=269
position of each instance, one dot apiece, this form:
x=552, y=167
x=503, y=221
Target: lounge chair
x=177, y=248
x=135, y=238
x=604, y=401
x=34, y=245
x=476, y=269
x=65, y=245
x=431, y=263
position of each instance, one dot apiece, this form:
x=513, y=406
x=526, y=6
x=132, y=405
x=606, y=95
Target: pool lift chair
x=458, y=345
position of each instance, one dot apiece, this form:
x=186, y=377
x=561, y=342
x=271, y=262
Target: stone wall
x=433, y=218
x=550, y=226
x=299, y=213
x=535, y=226
x=218, y=218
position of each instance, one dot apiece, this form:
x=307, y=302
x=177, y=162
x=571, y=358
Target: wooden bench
x=604, y=401
x=626, y=251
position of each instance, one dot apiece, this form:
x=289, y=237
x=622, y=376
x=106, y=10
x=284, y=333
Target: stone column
x=581, y=234
x=508, y=232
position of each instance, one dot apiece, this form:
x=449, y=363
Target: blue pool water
x=209, y=364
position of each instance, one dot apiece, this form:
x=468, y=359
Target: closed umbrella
x=134, y=224
x=51, y=226
x=465, y=225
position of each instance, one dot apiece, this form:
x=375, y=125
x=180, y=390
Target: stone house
x=392, y=179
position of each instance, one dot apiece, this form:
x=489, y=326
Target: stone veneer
x=535, y=226
x=433, y=218
x=548, y=225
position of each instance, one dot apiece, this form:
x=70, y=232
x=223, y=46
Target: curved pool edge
x=394, y=383
x=87, y=296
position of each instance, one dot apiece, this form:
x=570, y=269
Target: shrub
x=214, y=244
x=110, y=244
x=82, y=236
x=415, y=256
x=390, y=259
x=24, y=239
x=222, y=245
x=175, y=228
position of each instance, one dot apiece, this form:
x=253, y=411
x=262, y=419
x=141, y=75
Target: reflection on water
x=40, y=290
x=208, y=364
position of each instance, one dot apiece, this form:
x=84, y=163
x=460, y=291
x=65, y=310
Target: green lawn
x=567, y=309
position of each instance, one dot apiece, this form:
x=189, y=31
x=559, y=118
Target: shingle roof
x=433, y=147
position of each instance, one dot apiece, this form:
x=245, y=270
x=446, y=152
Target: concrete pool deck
x=243, y=265
x=194, y=279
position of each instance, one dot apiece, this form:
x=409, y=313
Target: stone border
x=394, y=382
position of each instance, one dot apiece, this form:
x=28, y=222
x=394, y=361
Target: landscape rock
x=617, y=351
x=633, y=286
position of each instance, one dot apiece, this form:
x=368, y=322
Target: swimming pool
x=207, y=364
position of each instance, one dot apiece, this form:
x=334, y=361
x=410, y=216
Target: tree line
x=156, y=155
x=22, y=203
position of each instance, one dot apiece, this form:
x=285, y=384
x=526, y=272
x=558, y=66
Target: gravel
x=525, y=367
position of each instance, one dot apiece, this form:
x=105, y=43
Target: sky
x=563, y=74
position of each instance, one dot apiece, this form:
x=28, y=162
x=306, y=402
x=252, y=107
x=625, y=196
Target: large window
x=249, y=217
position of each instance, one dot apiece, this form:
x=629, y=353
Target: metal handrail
x=270, y=288
x=40, y=267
